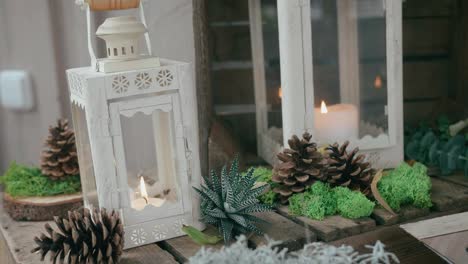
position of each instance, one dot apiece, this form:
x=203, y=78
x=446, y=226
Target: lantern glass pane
x=269, y=14
x=349, y=69
x=150, y=158
x=83, y=146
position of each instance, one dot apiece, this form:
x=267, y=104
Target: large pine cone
x=301, y=166
x=59, y=159
x=349, y=169
x=83, y=238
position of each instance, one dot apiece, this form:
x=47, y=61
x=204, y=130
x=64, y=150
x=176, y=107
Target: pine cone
x=83, y=238
x=60, y=158
x=349, y=169
x=301, y=165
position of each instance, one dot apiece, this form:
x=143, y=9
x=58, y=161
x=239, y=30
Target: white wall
x=46, y=37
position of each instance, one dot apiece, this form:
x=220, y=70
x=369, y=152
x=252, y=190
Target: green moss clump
x=352, y=204
x=407, y=185
x=319, y=201
x=262, y=174
x=23, y=181
x=269, y=198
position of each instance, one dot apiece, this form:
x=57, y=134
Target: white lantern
x=135, y=118
x=341, y=75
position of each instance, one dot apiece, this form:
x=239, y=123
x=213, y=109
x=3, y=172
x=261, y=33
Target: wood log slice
x=41, y=208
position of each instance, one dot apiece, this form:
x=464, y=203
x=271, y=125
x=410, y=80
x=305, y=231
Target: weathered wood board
x=292, y=235
x=148, y=254
x=182, y=248
x=447, y=196
x=438, y=226
x=332, y=227
x=383, y=217
x=407, y=248
x=457, y=178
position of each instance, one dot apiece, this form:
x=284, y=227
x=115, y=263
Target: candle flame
x=323, y=108
x=143, y=192
x=378, y=82
x=280, y=93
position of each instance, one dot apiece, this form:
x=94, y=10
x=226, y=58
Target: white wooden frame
x=104, y=97
x=295, y=35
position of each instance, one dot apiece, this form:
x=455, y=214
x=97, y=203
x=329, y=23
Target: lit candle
x=336, y=123
x=144, y=200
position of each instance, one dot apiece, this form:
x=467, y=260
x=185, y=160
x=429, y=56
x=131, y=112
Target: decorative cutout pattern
x=177, y=226
x=120, y=84
x=160, y=232
x=138, y=236
x=165, y=78
x=77, y=85
x=143, y=81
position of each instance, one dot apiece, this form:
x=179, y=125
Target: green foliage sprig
x=24, y=181
x=228, y=202
x=407, y=185
x=320, y=201
x=435, y=147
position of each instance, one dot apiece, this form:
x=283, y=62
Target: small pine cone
x=60, y=158
x=349, y=169
x=83, y=238
x=301, y=166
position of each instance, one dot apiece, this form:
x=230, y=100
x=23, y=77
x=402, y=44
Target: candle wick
x=146, y=199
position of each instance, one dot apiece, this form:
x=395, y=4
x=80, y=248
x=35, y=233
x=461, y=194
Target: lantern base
x=110, y=66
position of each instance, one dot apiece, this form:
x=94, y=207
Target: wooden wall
x=429, y=46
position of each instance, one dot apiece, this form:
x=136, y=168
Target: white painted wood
x=348, y=52
x=258, y=58
x=438, y=226
x=296, y=70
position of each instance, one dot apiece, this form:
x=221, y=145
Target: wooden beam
x=202, y=78
x=348, y=50
x=258, y=58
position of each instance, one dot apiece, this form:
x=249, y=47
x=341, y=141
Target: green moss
x=269, y=198
x=262, y=174
x=320, y=201
x=20, y=180
x=352, y=204
x=407, y=185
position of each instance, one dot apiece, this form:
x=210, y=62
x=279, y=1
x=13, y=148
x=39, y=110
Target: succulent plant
x=229, y=202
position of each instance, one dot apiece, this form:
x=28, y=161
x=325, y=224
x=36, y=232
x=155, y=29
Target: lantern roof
x=122, y=25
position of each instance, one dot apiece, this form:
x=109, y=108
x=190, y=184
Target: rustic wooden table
x=16, y=238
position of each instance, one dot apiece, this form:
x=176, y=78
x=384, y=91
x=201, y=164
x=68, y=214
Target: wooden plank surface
x=182, y=248
x=383, y=217
x=332, y=227
x=438, y=226
x=280, y=228
x=457, y=178
x=452, y=246
x=447, y=196
x=407, y=248
x=18, y=238
x=148, y=254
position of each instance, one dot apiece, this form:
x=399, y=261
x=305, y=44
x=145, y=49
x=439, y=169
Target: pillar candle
x=337, y=123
